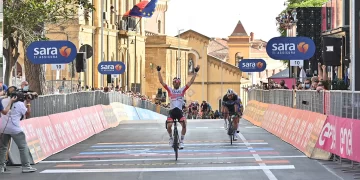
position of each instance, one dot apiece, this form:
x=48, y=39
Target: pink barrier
x=90, y=115
x=71, y=128
x=340, y=136
x=41, y=137
x=51, y=134
x=102, y=117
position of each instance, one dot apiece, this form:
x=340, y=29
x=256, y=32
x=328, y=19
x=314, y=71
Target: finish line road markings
x=234, y=168
x=168, y=159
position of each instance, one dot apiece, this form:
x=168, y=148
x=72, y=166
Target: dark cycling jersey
x=204, y=106
x=231, y=107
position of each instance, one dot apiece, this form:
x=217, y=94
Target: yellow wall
x=162, y=51
x=240, y=45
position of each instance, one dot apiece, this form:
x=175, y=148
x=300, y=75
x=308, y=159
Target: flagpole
x=137, y=23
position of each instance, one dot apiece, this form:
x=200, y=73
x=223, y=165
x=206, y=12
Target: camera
x=23, y=95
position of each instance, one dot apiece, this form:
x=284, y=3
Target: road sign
x=88, y=49
x=58, y=66
x=296, y=63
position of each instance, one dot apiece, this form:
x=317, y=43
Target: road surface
x=138, y=150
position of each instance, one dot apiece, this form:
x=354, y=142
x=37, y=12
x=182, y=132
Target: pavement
x=139, y=150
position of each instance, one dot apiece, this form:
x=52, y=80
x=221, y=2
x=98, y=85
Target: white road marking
x=268, y=172
x=166, y=159
x=55, y=171
x=202, y=127
x=157, y=145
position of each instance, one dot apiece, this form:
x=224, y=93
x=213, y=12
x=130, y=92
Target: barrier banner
x=90, y=114
x=339, y=137
x=250, y=112
x=71, y=128
x=100, y=112
x=300, y=128
x=110, y=115
x=120, y=111
x=41, y=138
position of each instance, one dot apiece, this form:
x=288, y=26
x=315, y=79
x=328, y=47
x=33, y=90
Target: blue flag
x=149, y=9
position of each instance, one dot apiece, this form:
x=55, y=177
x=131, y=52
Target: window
x=159, y=26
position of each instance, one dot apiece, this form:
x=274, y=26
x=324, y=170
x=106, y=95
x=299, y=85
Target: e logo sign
x=51, y=52
x=290, y=48
x=252, y=65
x=111, y=67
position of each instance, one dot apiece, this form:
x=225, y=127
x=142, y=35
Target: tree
x=27, y=21
x=295, y=4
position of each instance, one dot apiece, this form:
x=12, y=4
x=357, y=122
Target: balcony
x=127, y=25
x=148, y=33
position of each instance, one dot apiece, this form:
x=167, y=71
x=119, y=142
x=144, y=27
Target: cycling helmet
x=229, y=92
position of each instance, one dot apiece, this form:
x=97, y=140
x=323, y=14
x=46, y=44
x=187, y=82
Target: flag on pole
x=137, y=9
x=149, y=9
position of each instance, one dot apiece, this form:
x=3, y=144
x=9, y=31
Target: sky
x=219, y=18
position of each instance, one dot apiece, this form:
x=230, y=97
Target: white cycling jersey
x=176, y=96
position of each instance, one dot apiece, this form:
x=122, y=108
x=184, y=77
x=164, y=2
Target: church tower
x=239, y=44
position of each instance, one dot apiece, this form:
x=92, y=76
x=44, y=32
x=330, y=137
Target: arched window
x=159, y=26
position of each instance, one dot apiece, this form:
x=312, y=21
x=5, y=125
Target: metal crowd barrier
x=344, y=104
x=338, y=103
x=58, y=103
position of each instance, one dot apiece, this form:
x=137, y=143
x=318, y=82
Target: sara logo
x=290, y=48
x=51, y=52
x=111, y=67
x=252, y=65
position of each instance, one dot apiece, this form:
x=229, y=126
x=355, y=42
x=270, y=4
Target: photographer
x=25, y=88
x=10, y=128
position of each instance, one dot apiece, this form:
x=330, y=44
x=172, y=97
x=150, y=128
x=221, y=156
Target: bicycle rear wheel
x=176, y=143
x=230, y=129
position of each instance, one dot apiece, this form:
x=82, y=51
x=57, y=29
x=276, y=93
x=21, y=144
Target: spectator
x=314, y=84
x=18, y=110
x=3, y=87
x=106, y=89
x=307, y=84
x=282, y=85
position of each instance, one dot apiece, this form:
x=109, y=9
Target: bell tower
x=239, y=44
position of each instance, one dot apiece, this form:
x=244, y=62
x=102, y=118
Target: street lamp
x=102, y=38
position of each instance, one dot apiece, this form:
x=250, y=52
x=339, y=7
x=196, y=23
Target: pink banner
x=40, y=137
x=90, y=114
x=340, y=136
x=71, y=128
x=100, y=111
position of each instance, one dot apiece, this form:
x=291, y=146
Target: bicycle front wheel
x=176, y=143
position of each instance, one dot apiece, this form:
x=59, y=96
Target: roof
x=239, y=30
x=282, y=74
x=192, y=31
x=218, y=48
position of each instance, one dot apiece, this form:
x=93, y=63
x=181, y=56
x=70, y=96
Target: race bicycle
x=231, y=129
x=176, y=140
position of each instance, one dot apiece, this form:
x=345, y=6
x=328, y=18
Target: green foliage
x=27, y=18
x=296, y=4
x=27, y=21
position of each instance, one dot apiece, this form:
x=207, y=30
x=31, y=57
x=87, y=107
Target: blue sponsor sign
x=51, y=52
x=290, y=48
x=111, y=67
x=252, y=65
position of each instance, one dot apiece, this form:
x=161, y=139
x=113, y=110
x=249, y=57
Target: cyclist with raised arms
x=232, y=105
x=176, y=97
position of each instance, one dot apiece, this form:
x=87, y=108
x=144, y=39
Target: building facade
x=123, y=40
